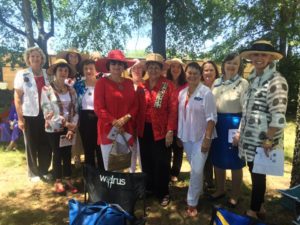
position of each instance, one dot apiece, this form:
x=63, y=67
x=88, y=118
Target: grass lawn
x=24, y=203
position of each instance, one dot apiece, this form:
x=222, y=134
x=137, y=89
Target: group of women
x=221, y=120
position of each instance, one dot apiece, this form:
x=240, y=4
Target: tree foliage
x=30, y=20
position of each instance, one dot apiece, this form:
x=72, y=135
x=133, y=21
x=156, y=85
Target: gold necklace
x=60, y=89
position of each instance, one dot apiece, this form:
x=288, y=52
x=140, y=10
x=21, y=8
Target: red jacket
x=113, y=101
x=163, y=118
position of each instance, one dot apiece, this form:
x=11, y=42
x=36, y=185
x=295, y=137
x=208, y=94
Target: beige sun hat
x=155, y=57
x=261, y=46
x=64, y=54
x=175, y=60
x=58, y=62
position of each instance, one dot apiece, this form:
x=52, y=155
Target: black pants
x=61, y=156
x=38, y=150
x=177, y=158
x=88, y=133
x=155, y=159
x=258, y=189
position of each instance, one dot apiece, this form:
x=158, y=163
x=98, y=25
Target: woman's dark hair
x=155, y=63
x=86, y=62
x=61, y=65
x=109, y=61
x=181, y=78
x=214, y=66
x=79, y=61
x=194, y=65
x=230, y=57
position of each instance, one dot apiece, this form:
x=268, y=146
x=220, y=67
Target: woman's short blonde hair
x=32, y=49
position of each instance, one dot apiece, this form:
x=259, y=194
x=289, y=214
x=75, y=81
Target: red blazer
x=163, y=118
x=113, y=101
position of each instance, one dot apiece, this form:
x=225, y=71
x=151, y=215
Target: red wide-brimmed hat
x=116, y=55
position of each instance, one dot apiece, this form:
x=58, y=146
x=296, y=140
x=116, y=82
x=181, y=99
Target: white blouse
x=193, y=116
x=88, y=99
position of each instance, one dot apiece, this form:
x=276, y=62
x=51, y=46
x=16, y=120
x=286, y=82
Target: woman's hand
x=70, y=134
x=21, y=124
x=206, y=144
x=169, y=138
x=122, y=121
x=267, y=145
x=236, y=139
x=70, y=126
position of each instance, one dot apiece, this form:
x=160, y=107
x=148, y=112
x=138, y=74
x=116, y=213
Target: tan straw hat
x=155, y=57
x=175, y=60
x=261, y=46
x=64, y=54
x=58, y=62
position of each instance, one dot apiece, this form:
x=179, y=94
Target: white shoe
x=35, y=179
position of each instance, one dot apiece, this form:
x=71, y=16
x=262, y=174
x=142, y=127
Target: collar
x=220, y=81
x=267, y=73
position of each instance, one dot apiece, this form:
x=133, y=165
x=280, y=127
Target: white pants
x=136, y=156
x=197, y=160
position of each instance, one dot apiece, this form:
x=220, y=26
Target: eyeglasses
x=115, y=62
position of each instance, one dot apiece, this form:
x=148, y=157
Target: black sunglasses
x=116, y=62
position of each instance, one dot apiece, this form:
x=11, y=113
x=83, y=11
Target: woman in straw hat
x=28, y=86
x=115, y=101
x=74, y=58
x=59, y=104
x=263, y=120
x=228, y=91
x=176, y=74
x=156, y=128
x=197, y=116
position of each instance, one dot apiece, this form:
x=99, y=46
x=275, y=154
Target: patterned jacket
x=264, y=106
x=50, y=103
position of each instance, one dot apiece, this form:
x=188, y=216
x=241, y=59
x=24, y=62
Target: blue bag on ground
x=99, y=213
x=221, y=216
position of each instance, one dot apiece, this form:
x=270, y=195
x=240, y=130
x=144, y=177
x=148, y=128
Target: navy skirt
x=224, y=155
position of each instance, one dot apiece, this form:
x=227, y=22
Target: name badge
x=198, y=98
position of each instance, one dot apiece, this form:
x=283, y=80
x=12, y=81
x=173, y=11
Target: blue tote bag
x=99, y=213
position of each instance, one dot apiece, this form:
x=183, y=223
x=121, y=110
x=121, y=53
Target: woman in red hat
x=115, y=101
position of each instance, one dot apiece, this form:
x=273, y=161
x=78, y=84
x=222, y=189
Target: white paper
x=114, y=135
x=272, y=165
x=231, y=134
x=63, y=141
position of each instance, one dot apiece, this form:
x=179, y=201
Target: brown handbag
x=119, y=157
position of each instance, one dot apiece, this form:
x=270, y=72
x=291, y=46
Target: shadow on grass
x=30, y=210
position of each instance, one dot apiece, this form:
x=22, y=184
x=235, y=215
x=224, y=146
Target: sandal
x=59, y=187
x=165, y=201
x=191, y=211
x=70, y=186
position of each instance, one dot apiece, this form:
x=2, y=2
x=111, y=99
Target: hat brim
x=246, y=54
x=101, y=64
x=172, y=61
x=50, y=70
x=63, y=55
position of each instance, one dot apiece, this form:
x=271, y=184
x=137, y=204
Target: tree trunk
x=42, y=43
x=295, y=179
x=159, y=26
x=26, y=14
